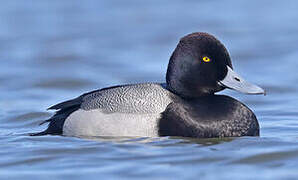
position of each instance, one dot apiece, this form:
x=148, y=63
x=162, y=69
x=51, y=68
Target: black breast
x=207, y=117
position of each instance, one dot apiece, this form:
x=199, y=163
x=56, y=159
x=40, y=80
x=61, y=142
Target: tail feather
x=39, y=133
x=56, y=122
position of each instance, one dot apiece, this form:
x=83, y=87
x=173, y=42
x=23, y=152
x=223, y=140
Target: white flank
x=97, y=123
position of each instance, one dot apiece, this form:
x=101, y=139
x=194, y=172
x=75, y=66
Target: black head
x=196, y=66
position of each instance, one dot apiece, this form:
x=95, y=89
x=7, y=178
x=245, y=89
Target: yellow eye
x=206, y=59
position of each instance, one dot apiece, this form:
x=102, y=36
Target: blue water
x=53, y=50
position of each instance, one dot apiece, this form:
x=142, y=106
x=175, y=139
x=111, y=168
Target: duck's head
x=201, y=65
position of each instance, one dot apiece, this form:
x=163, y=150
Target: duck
x=185, y=105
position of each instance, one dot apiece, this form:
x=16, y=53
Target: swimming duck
x=186, y=105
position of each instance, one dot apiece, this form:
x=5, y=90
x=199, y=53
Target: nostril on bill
x=237, y=79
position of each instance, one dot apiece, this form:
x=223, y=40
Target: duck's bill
x=236, y=82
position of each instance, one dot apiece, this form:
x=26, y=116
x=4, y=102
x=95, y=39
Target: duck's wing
x=140, y=98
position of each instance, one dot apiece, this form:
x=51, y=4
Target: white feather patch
x=96, y=123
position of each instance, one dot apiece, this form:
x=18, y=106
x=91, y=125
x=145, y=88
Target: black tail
x=56, y=122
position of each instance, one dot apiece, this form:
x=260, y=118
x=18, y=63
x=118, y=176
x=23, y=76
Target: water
x=51, y=51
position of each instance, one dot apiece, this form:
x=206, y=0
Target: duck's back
x=137, y=99
x=129, y=110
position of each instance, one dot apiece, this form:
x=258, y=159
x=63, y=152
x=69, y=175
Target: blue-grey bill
x=236, y=82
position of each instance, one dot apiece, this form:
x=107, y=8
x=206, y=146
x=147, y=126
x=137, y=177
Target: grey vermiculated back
x=135, y=98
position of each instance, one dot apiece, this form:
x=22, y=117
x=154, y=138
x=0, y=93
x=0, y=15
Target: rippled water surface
x=51, y=51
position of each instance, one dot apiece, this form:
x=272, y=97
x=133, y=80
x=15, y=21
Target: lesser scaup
x=183, y=106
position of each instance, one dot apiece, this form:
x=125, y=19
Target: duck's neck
x=183, y=95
